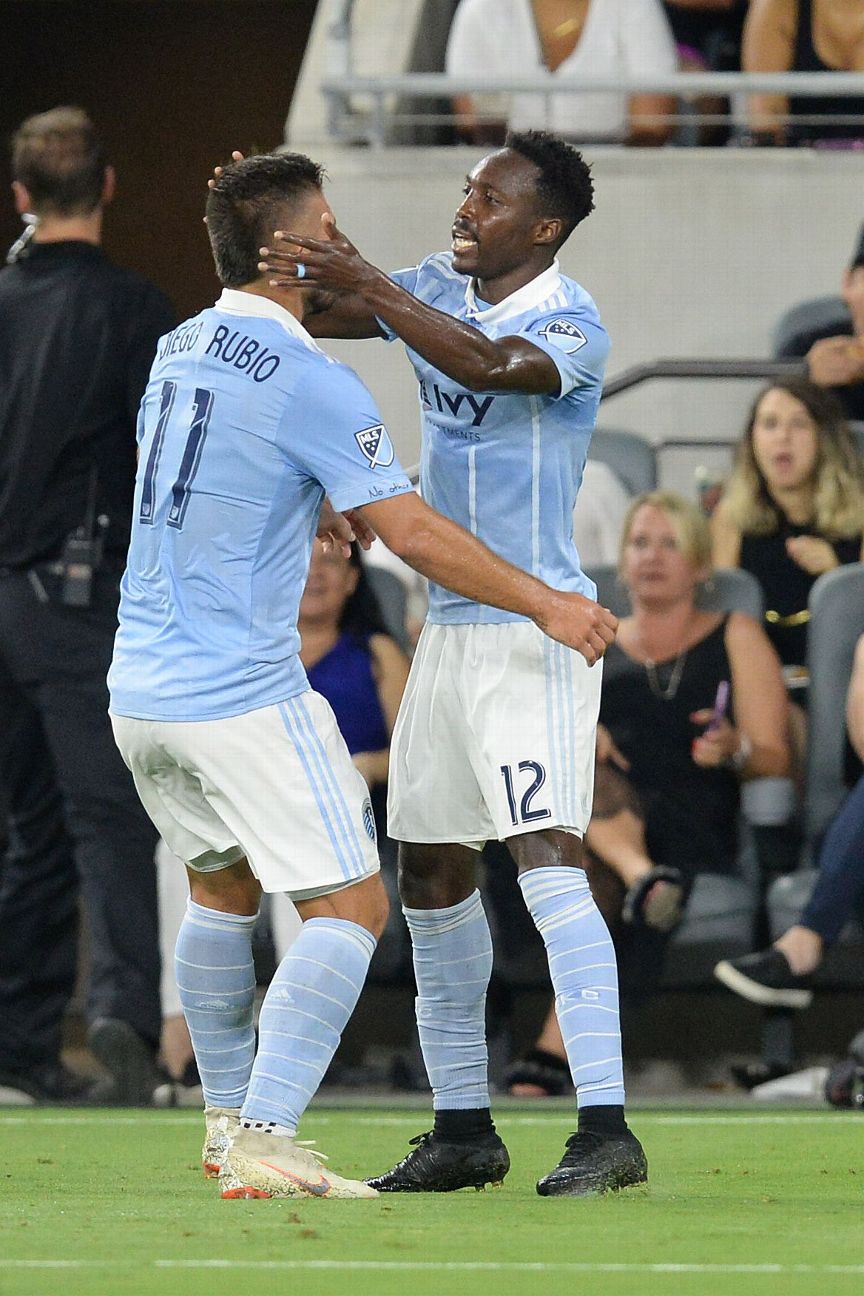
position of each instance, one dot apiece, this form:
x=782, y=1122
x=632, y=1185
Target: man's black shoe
x=436, y=1166
x=129, y=1059
x=765, y=978
x=593, y=1164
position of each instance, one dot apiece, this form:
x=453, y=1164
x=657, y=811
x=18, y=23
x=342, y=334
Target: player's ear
x=548, y=232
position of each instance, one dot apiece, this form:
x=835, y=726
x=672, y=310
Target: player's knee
x=377, y=907
x=365, y=903
x=233, y=890
x=435, y=877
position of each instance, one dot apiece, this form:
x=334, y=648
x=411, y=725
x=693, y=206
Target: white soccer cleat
x=272, y=1165
x=222, y=1124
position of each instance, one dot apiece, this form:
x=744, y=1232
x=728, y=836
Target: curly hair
x=838, y=484
x=564, y=188
x=248, y=202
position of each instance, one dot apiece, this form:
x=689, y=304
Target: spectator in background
x=837, y=361
x=77, y=337
x=793, y=508
x=693, y=705
x=805, y=36
x=780, y=976
x=569, y=40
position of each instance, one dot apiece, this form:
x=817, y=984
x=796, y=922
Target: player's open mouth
x=461, y=244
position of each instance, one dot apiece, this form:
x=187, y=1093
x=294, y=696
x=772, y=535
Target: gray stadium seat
x=630, y=457
x=857, y=429
x=393, y=601
x=837, y=620
x=802, y=325
x=729, y=590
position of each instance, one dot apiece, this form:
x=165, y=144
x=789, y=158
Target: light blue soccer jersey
x=243, y=428
x=508, y=466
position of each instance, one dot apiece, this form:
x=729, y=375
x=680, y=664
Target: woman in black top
x=693, y=703
x=806, y=36
x=793, y=507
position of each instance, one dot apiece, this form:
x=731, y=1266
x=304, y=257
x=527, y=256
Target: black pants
x=72, y=817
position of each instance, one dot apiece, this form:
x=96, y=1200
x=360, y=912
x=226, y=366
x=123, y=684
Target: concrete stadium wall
x=690, y=253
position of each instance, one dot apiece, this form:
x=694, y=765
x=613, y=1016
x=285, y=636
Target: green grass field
x=739, y=1202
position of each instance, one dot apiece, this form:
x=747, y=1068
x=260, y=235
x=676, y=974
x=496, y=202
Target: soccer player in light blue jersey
x=244, y=426
x=496, y=734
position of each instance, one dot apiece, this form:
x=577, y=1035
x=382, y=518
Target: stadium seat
x=836, y=621
x=393, y=601
x=630, y=457
x=729, y=590
x=858, y=433
x=802, y=325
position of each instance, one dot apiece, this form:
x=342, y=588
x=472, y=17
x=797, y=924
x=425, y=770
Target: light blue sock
x=216, y=980
x=584, y=977
x=304, y=1013
x=452, y=965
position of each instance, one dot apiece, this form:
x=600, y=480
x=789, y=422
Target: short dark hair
x=248, y=202
x=564, y=189
x=58, y=158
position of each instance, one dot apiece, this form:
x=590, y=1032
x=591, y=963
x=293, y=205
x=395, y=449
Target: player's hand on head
x=236, y=156
x=331, y=261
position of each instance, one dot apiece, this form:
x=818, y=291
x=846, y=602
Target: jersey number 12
x=523, y=813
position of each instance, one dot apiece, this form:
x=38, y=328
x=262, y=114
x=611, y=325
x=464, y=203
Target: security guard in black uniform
x=77, y=337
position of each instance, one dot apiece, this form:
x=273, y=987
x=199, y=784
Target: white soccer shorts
x=276, y=785
x=495, y=737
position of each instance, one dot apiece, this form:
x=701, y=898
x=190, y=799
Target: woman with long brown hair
x=793, y=507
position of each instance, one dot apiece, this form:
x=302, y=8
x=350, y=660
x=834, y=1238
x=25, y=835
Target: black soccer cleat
x=437, y=1166
x=594, y=1164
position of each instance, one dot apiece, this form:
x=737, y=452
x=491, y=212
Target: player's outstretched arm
x=452, y=557
x=463, y=353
